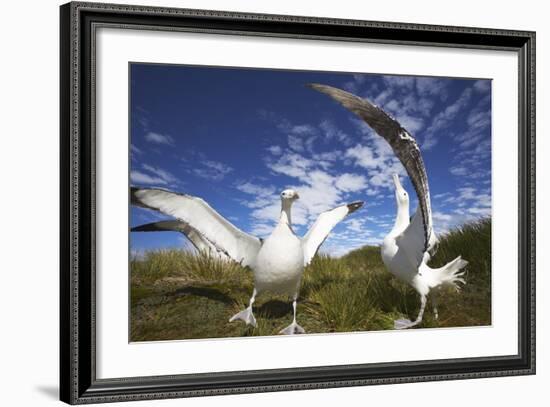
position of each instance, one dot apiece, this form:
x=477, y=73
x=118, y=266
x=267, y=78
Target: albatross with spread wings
x=277, y=262
x=409, y=246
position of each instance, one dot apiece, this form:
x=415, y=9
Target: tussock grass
x=177, y=294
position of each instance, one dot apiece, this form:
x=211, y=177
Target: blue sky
x=237, y=137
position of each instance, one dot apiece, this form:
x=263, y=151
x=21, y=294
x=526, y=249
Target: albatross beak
x=396, y=181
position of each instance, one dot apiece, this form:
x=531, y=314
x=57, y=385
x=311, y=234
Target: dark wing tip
x=140, y=228
x=149, y=227
x=352, y=207
x=133, y=198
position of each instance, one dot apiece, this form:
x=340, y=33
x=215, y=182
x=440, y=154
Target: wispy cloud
x=320, y=188
x=212, y=170
x=138, y=177
x=445, y=118
x=350, y=182
x=331, y=132
x=134, y=152
x=426, y=86
x=158, y=138
x=482, y=85
x=151, y=175
x=275, y=150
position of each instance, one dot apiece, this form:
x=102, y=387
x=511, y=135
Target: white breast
x=396, y=260
x=280, y=262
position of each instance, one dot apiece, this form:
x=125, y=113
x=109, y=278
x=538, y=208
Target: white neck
x=401, y=220
x=285, y=213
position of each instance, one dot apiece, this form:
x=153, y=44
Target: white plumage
x=410, y=244
x=399, y=255
x=277, y=262
x=405, y=148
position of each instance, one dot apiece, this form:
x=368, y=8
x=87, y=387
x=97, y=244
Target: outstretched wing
x=200, y=242
x=402, y=143
x=195, y=212
x=322, y=227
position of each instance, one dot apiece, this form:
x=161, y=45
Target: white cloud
x=212, y=170
x=275, y=150
x=459, y=171
x=379, y=161
x=291, y=164
x=383, y=96
x=134, y=152
x=295, y=143
x=351, y=182
x=262, y=230
x=158, y=138
x=302, y=129
x=441, y=217
x=152, y=176
x=411, y=123
x=138, y=177
x=426, y=86
x=254, y=189
x=482, y=85
x=479, y=119
x=481, y=211
x=330, y=131
x=160, y=173
x=364, y=156
x=444, y=118
x=400, y=81
x=319, y=191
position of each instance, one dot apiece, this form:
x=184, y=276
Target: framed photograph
x=255, y=203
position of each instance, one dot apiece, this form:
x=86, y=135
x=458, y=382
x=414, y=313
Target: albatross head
x=401, y=195
x=289, y=195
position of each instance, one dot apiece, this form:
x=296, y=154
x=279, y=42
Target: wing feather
x=322, y=227
x=402, y=143
x=199, y=242
x=236, y=244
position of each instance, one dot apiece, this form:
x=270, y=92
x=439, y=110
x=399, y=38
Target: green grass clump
x=177, y=294
x=472, y=306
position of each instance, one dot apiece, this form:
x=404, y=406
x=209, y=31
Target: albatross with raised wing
x=278, y=261
x=410, y=244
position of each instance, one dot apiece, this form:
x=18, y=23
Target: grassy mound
x=179, y=295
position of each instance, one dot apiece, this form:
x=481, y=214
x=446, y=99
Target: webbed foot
x=403, y=324
x=292, y=329
x=245, y=315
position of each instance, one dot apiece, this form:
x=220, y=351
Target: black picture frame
x=78, y=382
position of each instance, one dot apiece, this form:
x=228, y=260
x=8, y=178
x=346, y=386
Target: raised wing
x=200, y=242
x=195, y=212
x=402, y=143
x=322, y=227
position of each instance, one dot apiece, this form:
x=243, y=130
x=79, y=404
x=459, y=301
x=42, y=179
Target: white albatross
x=398, y=251
x=278, y=261
x=410, y=244
x=404, y=147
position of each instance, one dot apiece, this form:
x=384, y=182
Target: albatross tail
x=450, y=274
